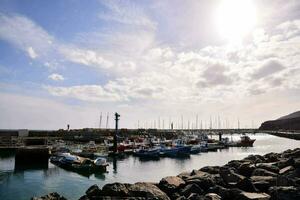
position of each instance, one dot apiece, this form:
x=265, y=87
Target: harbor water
x=25, y=182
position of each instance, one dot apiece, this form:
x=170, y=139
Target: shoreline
x=271, y=176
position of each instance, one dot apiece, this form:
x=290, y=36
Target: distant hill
x=290, y=116
x=287, y=122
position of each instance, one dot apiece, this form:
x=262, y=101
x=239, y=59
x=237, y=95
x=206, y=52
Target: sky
x=153, y=62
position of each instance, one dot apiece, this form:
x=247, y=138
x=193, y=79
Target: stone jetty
x=274, y=176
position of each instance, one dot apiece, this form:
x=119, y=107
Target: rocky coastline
x=272, y=176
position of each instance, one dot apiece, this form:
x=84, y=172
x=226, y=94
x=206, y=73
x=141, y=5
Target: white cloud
x=25, y=34
x=32, y=54
x=56, y=77
x=93, y=93
x=86, y=57
x=268, y=68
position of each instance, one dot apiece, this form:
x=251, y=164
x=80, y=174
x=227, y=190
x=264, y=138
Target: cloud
x=86, y=57
x=215, y=75
x=125, y=12
x=268, y=68
x=25, y=34
x=32, y=54
x=92, y=93
x=56, y=77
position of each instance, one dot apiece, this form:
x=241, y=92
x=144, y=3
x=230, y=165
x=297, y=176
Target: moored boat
x=245, y=141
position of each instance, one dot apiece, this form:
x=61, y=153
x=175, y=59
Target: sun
x=235, y=19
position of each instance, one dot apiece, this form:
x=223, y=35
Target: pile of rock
x=272, y=176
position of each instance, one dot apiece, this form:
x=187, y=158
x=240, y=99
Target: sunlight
x=235, y=19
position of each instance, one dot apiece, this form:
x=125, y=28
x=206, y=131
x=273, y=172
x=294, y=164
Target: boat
x=245, y=141
x=146, y=152
x=77, y=163
x=195, y=149
x=168, y=151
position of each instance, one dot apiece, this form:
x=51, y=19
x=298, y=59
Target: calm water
x=23, y=184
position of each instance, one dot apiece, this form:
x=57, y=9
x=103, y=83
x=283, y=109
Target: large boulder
x=270, y=179
x=50, y=196
x=246, y=185
x=202, y=179
x=286, y=170
x=212, y=196
x=221, y=191
x=262, y=186
x=271, y=157
x=269, y=166
x=147, y=190
x=170, y=184
x=252, y=196
x=284, y=193
x=246, y=169
x=191, y=188
x=93, y=191
x=229, y=176
x=263, y=172
x=255, y=159
x=116, y=190
x=285, y=162
x=211, y=169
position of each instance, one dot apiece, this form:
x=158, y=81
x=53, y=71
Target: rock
x=271, y=157
x=263, y=172
x=262, y=186
x=50, y=196
x=284, y=193
x=285, y=162
x=202, y=179
x=283, y=180
x=234, y=164
x=116, y=189
x=184, y=175
x=269, y=166
x=270, y=179
x=191, y=188
x=255, y=159
x=252, y=196
x=93, y=191
x=296, y=163
x=147, y=190
x=286, y=169
x=170, y=184
x=246, y=169
x=233, y=193
x=211, y=169
x=221, y=191
x=246, y=185
x=229, y=176
x=84, y=197
x=212, y=196
x=195, y=196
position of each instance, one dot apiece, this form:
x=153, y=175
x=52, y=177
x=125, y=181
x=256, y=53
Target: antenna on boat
x=163, y=125
x=196, y=121
x=107, y=117
x=181, y=122
x=100, y=120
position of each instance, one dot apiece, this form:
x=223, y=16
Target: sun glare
x=235, y=19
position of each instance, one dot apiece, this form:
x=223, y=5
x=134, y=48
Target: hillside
x=287, y=122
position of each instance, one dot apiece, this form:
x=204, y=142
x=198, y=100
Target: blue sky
x=67, y=61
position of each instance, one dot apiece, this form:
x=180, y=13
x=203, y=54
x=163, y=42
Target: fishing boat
x=183, y=149
x=77, y=163
x=146, y=152
x=195, y=149
x=245, y=141
x=168, y=151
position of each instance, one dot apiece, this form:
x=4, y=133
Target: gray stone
x=147, y=190
x=229, y=176
x=253, y=196
x=170, y=184
x=263, y=172
x=212, y=196
x=286, y=169
x=285, y=193
x=191, y=188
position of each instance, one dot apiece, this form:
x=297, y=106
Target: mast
x=107, y=117
x=100, y=120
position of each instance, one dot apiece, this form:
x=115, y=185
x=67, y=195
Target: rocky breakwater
x=272, y=176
